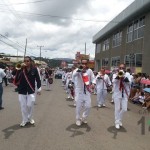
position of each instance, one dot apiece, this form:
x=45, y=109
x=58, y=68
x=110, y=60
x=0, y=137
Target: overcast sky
x=61, y=26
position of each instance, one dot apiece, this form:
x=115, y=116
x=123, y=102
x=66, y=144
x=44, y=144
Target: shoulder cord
x=125, y=90
x=28, y=81
x=105, y=82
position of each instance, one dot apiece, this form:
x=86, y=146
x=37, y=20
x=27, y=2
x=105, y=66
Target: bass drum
x=50, y=80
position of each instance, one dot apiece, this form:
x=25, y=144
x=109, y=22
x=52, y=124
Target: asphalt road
x=55, y=127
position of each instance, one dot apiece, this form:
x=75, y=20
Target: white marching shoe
x=117, y=126
x=23, y=124
x=78, y=122
x=32, y=121
x=84, y=120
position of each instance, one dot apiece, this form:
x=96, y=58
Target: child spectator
x=139, y=99
x=137, y=94
x=146, y=104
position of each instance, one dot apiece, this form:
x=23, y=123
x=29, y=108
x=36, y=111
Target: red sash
x=85, y=79
x=28, y=80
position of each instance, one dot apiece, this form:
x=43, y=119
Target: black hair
x=28, y=57
x=142, y=93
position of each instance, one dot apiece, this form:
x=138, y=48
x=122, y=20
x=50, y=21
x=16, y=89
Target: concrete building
x=126, y=39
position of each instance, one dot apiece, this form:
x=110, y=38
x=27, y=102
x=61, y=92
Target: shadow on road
x=10, y=130
x=72, y=106
x=96, y=107
x=69, y=99
x=76, y=130
x=115, y=131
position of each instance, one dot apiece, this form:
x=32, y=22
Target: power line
x=19, y=20
x=61, y=17
x=17, y=46
x=40, y=1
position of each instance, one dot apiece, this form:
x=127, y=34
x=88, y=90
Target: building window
x=141, y=27
x=129, y=60
x=106, y=45
x=138, y=59
x=105, y=62
x=98, y=65
x=117, y=39
x=130, y=33
x=115, y=61
x=98, y=48
x=136, y=29
x=135, y=61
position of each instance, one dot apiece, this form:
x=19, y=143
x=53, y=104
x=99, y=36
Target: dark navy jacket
x=32, y=75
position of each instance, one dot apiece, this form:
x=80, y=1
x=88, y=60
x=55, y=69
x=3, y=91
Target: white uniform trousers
x=75, y=96
x=36, y=90
x=101, y=96
x=47, y=85
x=27, y=105
x=120, y=108
x=83, y=101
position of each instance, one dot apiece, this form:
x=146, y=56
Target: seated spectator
x=148, y=78
x=137, y=94
x=134, y=86
x=146, y=103
x=139, y=99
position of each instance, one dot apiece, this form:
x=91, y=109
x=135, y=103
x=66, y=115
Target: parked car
x=58, y=74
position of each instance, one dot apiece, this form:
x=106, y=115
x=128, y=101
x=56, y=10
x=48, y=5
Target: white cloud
x=60, y=37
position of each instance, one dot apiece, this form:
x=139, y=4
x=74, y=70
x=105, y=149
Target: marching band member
x=26, y=77
x=121, y=85
x=95, y=90
x=69, y=83
x=115, y=72
x=36, y=89
x=83, y=93
x=48, y=73
x=102, y=81
x=63, y=77
x=74, y=84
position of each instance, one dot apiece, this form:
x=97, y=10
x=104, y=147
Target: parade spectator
x=134, y=85
x=2, y=75
x=139, y=98
x=146, y=103
x=5, y=78
x=137, y=94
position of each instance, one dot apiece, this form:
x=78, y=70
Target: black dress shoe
x=1, y=108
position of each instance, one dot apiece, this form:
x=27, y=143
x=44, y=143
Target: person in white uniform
x=102, y=81
x=68, y=83
x=74, y=82
x=121, y=85
x=83, y=93
x=2, y=75
x=115, y=72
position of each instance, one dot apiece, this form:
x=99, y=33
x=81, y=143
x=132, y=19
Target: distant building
x=79, y=57
x=10, y=60
x=126, y=39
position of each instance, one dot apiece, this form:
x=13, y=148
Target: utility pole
x=85, y=48
x=17, y=55
x=25, y=49
x=40, y=52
